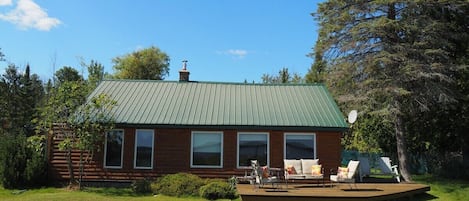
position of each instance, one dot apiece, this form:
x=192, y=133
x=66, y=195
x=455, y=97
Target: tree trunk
x=401, y=149
x=465, y=152
x=81, y=170
x=70, y=166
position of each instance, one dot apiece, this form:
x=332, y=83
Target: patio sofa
x=303, y=169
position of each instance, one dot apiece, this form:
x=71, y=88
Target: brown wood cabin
x=207, y=128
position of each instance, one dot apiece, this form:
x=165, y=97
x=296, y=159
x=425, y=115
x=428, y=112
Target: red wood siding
x=172, y=155
x=328, y=150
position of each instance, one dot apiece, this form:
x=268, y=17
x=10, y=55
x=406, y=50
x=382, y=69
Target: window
x=113, y=150
x=300, y=145
x=207, y=149
x=143, y=149
x=253, y=146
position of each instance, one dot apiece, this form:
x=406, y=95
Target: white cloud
x=28, y=14
x=5, y=2
x=235, y=52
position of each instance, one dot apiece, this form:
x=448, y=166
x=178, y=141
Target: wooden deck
x=341, y=192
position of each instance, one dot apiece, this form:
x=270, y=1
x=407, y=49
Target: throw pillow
x=265, y=172
x=316, y=170
x=291, y=169
x=342, y=172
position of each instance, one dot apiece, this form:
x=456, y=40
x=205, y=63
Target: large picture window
x=207, y=149
x=113, y=149
x=253, y=146
x=144, y=149
x=300, y=145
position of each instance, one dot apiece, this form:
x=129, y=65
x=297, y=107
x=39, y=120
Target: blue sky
x=228, y=41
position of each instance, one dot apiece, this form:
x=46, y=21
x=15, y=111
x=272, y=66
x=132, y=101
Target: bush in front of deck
x=142, y=186
x=178, y=185
x=215, y=190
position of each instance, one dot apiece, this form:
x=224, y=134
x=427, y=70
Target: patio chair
x=387, y=168
x=263, y=175
x=346, y=175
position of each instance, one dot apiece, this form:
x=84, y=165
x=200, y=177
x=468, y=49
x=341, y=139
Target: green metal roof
x=172, y=103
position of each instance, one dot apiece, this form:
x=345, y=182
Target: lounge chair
x=346, y=175
x=263, y=175
x=387, y=168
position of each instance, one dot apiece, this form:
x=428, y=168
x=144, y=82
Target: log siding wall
x=172, y=155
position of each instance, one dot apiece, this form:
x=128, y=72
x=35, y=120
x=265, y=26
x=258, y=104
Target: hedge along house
x=209, y=129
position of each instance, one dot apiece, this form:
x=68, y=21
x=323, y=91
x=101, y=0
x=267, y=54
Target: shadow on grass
x=111, y=191
x=423, y=197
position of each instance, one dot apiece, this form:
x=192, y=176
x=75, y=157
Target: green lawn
x=93, y=194
x=441, y=190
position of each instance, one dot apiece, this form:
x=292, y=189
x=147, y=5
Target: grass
x=92, y=194
x=441, y=190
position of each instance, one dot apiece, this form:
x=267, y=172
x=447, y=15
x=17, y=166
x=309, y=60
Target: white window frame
x=285, y=143
x=252, y=133
x=192, y=149
x=122, y=150
x=152, y=148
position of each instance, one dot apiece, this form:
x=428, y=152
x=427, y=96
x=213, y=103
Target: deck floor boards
x=341, y=192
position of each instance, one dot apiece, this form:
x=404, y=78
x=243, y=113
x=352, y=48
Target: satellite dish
x=352, y=116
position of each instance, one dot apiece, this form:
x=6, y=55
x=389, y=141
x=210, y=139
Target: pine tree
x=391, y=57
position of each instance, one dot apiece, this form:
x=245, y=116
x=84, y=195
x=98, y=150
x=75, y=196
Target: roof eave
x=235, y=127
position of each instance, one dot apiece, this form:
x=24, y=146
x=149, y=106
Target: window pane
x=252, y=147
x=144, y=148
x=206, y=149
x=299, y=146
x=114, y=142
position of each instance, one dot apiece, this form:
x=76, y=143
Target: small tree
x=89, y=124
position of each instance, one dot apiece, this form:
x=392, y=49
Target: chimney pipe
x=184, y=73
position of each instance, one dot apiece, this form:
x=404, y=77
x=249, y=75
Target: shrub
x=218, y=190
x=13, y=157
x=179, y=185
x=142, y=186
x=35, y=172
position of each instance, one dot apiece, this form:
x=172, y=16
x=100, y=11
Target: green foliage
x=370, y=133
x=142, y=186
x=91, y=121
x=179, y=185
x=283, y=77
x=22, y=160
x=13, y=157
x=396, y=60
x=95, y=73
x=148, y=64
x=67, y=74
x=218, y=190
x=317, y=73
x=35, y=173
x=21, y=96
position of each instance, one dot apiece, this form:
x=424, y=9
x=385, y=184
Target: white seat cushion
x=307, y=164
x=295, y=163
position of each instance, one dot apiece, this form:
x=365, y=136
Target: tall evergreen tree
x=392, y=55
